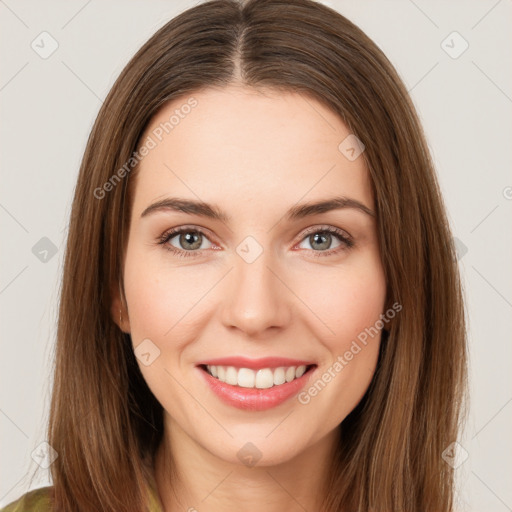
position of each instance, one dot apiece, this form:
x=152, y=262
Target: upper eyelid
x=324, y=227
x=185, y=228
x=171, y=233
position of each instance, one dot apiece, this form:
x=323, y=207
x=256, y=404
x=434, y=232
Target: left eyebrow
x=336, y=203
x=296, y=212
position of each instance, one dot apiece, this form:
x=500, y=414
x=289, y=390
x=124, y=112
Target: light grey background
x=47, y=110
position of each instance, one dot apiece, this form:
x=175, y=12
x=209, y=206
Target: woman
x=210, y=355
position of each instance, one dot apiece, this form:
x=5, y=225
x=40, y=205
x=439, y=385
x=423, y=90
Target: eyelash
x=342, y=237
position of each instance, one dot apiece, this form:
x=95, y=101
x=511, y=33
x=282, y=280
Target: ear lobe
x=119, y=312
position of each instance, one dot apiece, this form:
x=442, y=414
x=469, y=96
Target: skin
x=254, y=155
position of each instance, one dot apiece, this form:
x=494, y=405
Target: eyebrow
x=214, y=212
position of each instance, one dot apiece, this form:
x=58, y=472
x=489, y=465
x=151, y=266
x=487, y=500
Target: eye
x=321, y=240
x=188, y=241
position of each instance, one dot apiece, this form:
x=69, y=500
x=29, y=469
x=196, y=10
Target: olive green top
x=38, y=500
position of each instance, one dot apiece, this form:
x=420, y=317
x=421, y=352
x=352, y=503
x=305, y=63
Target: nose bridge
x=256, y=299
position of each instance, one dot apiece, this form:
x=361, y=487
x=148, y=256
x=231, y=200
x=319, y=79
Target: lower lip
x=253, y=399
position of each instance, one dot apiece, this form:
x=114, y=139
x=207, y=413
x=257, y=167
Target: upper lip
x=255, y=364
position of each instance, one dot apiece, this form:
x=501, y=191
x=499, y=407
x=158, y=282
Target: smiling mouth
x=263, y=378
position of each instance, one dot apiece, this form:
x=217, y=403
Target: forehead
x=239, y=142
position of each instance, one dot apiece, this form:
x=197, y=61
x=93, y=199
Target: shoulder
x=37, y=500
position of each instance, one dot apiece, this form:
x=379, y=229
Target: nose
x=256, y=299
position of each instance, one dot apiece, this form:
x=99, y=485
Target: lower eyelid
x=345, y=241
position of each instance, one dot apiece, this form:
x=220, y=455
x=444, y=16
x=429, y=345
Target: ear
x=118, y=309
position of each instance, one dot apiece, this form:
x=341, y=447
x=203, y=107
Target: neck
x=190, y=478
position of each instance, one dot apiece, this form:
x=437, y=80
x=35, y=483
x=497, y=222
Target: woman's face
x=256, y=287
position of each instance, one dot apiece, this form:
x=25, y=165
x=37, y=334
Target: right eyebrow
x=187, y=206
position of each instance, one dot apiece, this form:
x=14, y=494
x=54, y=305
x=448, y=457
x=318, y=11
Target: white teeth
x=264, y=378
x=279, y=377
x=261, y=379
x=246, y=378
x=299, y=372
x=231, y=376
x=290, y=374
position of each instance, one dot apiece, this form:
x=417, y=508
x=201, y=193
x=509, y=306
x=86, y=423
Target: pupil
x=188, y=238
x=326, y=239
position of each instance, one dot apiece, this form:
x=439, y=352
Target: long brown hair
x=105, y=423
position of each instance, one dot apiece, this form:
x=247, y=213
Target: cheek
x=161, y=300
x=162, y=309
x=352, y=305
x=346, y=302
x=349, y=302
